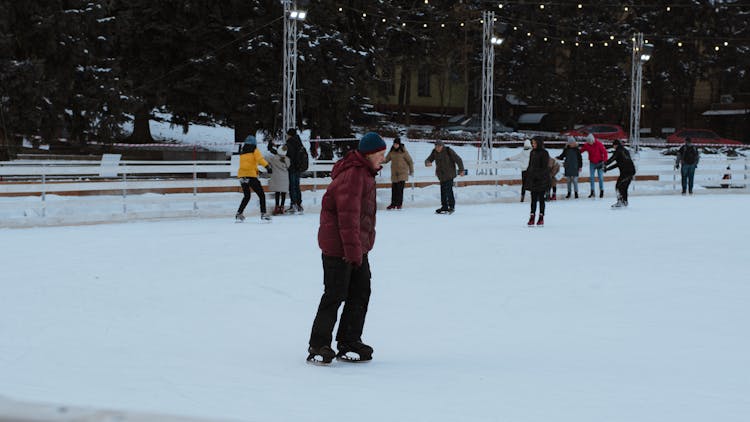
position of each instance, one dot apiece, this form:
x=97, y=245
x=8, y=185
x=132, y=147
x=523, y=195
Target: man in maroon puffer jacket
x=346, y=235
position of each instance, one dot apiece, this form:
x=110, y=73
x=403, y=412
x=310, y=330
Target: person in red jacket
x=597, y=158
x=345, y=236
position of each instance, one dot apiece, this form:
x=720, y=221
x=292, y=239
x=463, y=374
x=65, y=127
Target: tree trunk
x=141, y=130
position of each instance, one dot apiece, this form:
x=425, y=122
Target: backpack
x=690, y=156
x=303, y=161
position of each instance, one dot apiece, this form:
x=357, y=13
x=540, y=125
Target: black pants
x=623, y=182
x=537, y=197
x=280, y=198
x=523, y=183
x=253, y=183
x=447, y=200
x=397, y=193
x=343, y=283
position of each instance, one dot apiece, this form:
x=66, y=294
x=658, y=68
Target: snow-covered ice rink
x=633, y=315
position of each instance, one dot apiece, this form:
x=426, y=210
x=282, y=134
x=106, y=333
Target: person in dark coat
x=294, y=149
x=621, y=159
x=446, y=160
x=345, y=236
x=537, y=179
x=572, y=163
x=687, y=157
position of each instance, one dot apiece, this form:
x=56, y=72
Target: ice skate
x=540, y=222
x=354, y=352
x=322, y=355
x=531, y=220
x=265, y=217
x=239, y=218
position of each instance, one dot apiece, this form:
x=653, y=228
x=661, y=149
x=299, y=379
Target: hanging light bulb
x=626, y=8
x=426, y=1
x=341, y=9
x=669, y=9
x=515, y=28
x=424, y=25
x=500, y=6
x=403, y=24
x=442, y=25
x=611, y=37
x=383, y=20
x=726, y=44
x=580, y=6
x=528, y=34
x=545, y=39
x=606, y=44
x=462, y=24
x=591, y=44
x=646, y=41
x=576, y=43
x=364, y=15
x=541, y=6
x=716, y=48
x=619, y=42
x=494, y=19
x=562, y=41
x=679, y=44
x=579, y=33
x=481, y=21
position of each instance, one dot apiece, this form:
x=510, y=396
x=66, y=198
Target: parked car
x=600, y=131
x=473, y=124
x=699, y=136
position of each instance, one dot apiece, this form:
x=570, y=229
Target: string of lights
x=531, y=28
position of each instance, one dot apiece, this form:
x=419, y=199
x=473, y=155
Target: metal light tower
x=291, y=17
x=641, y=54
x=489, y=41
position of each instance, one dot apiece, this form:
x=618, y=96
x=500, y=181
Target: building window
x=423, y=82
x=388, y=80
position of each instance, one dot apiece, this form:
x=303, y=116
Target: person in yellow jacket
x=250, y=159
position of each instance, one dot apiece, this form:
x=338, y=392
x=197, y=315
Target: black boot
x=591, y=195
x=320, y=355
x=354, y=351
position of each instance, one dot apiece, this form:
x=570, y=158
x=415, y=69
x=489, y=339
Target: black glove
x=269, y=169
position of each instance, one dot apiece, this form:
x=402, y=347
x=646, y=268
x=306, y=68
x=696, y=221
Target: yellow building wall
x=454, y=94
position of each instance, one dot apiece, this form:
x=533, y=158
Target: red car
x=600, y=131
x=699, y=136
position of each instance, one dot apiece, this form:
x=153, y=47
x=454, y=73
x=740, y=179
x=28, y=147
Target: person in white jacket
x=279, y=183
x=522, y=158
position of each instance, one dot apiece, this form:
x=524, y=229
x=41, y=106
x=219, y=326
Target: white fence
x=27, y=188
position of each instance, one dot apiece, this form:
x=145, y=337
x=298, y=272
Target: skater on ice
x=537, y=180
x=572, y=163
x=279, y=182
x=446, y=160
x=554, y=168
x=687, y=157
x=250, y=159
x=522, y=158
x=621, y=159
x=402, y=166
x=597, y=157
x=298, y=163
x=346, y=235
